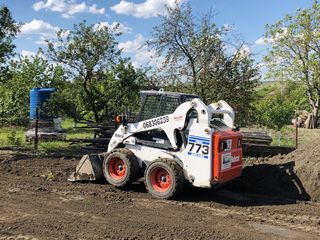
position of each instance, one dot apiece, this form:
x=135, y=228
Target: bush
x=13, y=139
x=274, y=112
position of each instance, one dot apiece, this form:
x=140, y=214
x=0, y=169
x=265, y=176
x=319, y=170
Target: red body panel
x=227, y=164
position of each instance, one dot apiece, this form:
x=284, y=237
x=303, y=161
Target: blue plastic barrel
x=37, y=97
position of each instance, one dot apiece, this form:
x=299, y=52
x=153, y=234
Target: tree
x=277, y=104
x=274, y=112
x=8, y=30
x=194, y=54
x=189, y=46
x=25, y=74
x=119, y=91
x=86, y=53
x=295, y=52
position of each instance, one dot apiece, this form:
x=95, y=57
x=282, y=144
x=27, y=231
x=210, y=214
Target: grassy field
x=15, y=137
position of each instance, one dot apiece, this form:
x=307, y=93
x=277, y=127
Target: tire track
x=305, y=223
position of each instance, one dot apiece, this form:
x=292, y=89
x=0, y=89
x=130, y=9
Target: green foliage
x=15, y=136
x=8, y=30
x=195, y=58
x=13, y=139
x=295, y=52
x=120, y=90
x=101, y=83
x=235, y=84
x=5, y=133
x=25, y=74
x=116, y=92
x=86, y=53
x=91, y=79
x=274, y=112
x=65, y=102
x=278, y=103
x=50, y=176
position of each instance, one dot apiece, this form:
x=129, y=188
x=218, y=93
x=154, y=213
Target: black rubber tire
x=176, y=178
x=131, y=163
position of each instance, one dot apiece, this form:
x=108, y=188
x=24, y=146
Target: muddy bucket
x=89, y=168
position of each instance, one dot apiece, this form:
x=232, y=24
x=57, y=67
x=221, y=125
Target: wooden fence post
x=36, y=130
x=296, y=132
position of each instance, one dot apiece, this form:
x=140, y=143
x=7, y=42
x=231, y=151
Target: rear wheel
x=121, y=167
x=164, y=178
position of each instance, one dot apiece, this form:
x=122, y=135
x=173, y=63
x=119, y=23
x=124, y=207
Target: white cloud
x=41, y=41
x=142, y=55
x=42, y=29
x=242, y=52
x=245, y=50
x=67, y=8
x=94, y=10
x=266, y=41
x=262, y=41
x=30, y=54
x=263, y=68
x=27, y=54
x=147, y=9
x=132, y=46
x=228, y=27
x=39, y=27
x=114, y=26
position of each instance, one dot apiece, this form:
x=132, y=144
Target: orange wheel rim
x=160, y=179
x=117, y=168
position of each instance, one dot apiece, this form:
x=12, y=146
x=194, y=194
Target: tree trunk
x=87, y=78
x=314, y=122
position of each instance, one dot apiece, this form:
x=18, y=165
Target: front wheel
x=121, y=167
x=164, y=178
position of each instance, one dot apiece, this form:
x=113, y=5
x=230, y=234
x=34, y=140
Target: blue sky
x=41, y=18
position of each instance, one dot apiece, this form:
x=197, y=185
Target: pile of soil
x=306, y=168
x=282, y=178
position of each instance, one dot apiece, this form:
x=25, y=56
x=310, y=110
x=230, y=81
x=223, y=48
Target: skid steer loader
x=177, y=138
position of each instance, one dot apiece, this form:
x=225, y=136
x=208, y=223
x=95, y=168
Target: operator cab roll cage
x=160, y=103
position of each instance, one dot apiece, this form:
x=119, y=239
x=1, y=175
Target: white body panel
x=195, y=156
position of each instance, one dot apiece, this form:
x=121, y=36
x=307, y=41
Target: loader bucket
x=89, y=168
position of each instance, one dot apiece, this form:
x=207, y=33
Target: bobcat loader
x=177, y=138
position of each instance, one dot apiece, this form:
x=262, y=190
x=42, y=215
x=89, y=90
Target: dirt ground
x=36, y=202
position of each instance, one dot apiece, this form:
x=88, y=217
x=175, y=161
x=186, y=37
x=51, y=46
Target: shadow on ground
x=261, y=184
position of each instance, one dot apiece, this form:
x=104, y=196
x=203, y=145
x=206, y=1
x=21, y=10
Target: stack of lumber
x=256, y=138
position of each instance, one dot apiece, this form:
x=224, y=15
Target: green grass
x=15, y=137
x=285, y=137
x=6, y=132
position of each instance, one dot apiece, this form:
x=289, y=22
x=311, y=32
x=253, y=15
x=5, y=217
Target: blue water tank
x=37, y=97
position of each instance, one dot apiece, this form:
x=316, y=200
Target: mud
x=295, y=176
x=306, y=167
x=36, y=202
